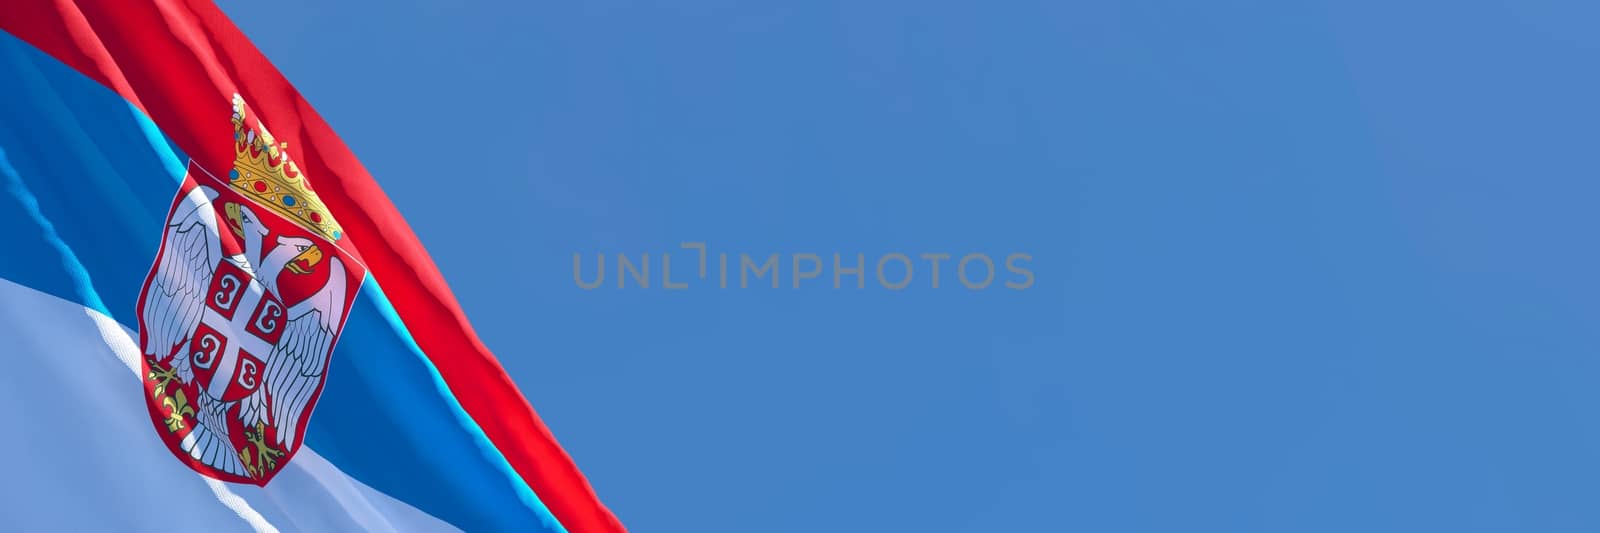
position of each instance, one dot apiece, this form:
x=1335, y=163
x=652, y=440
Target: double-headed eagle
x=181, y=298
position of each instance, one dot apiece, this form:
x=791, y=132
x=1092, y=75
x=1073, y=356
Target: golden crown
x=263, y=172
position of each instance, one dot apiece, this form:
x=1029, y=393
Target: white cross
x=236, y=334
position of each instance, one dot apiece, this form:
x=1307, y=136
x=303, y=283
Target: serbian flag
x=211, y=318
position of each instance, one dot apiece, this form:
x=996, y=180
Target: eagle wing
x=295, y=367
x=173, y=305
x=175, y=298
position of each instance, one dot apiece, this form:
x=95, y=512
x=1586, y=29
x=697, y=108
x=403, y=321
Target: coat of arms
x=239, y=314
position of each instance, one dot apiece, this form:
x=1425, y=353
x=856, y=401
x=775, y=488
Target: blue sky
x=1300, y=266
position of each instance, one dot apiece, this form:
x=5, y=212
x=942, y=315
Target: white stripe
x=240, y=507
x=80, y=453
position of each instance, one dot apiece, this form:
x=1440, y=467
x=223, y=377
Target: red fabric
x=181, y=61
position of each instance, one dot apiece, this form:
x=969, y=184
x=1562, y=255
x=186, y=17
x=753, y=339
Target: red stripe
x=181, y=61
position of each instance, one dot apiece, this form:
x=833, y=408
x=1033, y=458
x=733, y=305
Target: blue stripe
x=76, y=277
x=87, y=181
x=60, y=139
x=389, y=389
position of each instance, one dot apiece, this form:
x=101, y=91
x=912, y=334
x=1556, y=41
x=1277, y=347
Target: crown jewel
x=263, y=172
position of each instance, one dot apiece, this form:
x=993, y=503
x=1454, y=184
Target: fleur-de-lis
x=178, y=407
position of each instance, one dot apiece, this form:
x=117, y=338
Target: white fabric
x=78, y=451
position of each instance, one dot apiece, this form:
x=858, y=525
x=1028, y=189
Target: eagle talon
x=161, y=377
x=265, y=457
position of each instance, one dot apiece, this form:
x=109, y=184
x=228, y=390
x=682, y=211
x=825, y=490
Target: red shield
x=240, y=312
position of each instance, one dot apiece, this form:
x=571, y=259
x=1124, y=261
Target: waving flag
x=212, y=319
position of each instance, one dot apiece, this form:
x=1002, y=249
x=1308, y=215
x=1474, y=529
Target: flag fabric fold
x=124, y=124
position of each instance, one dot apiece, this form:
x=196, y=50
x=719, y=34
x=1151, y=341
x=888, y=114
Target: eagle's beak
x=235, y=220
x=306, y=262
